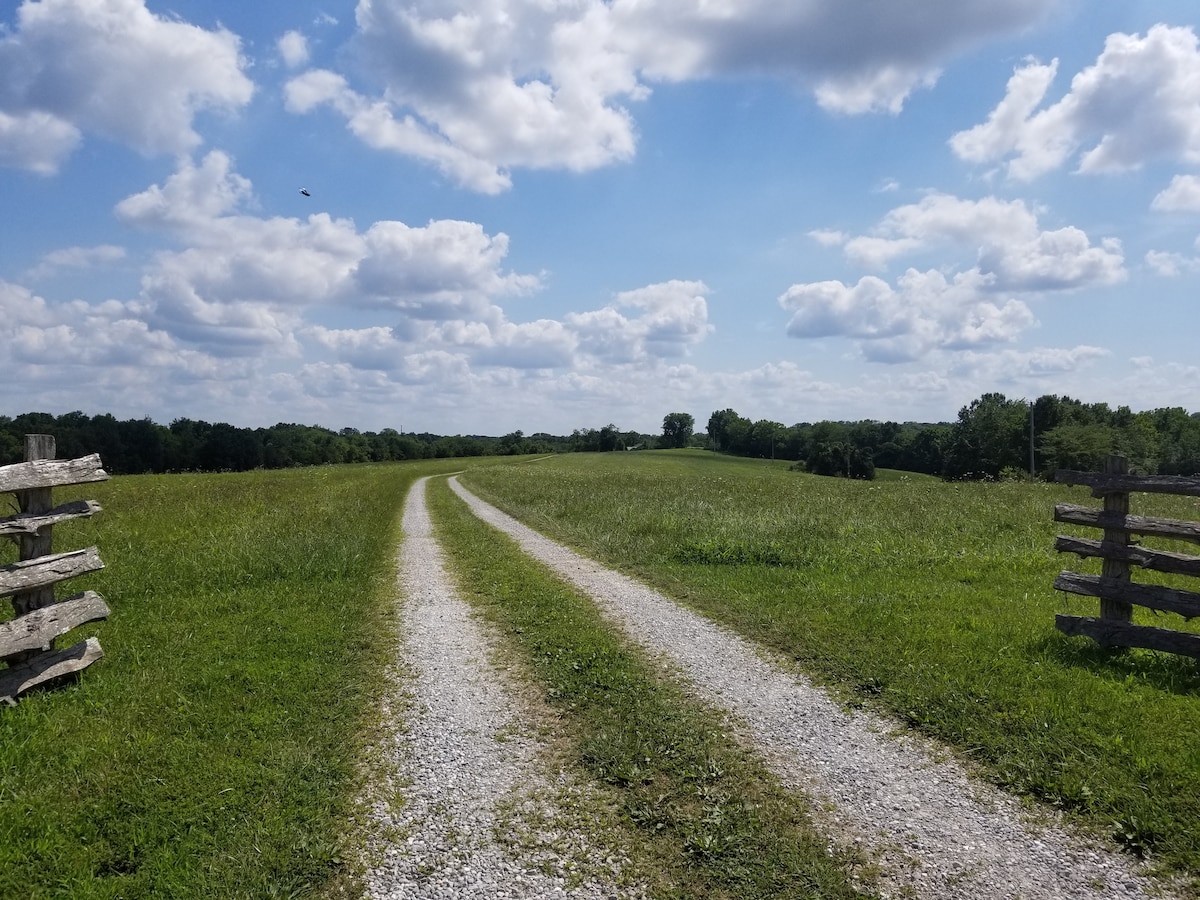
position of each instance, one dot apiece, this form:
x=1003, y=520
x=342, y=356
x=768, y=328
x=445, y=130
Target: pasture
x=930, y=600
x=213, y=752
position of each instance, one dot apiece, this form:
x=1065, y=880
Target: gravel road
x=933, y=830
x=481, y=814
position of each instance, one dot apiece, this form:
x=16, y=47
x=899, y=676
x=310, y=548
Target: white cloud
x=1012, y=250
x=78, y=335
x=1140, y=101
x=36, y=140
x=113, y=68
x=827, y=237
x=924, y=313
x=444, y=270
x=191, y=199
x=855, y=62
x=376, y=125
x=1038, y=363
x=673, y=316
x=1181, y=195
x=482, y=87
x=251, y=294
x=76, y=258
x=293, y=49
x=1170, y=265
x=641, y=327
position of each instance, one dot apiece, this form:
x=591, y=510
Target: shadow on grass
x=1163, y=671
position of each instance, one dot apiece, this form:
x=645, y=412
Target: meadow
x=931, y=601
x=214, y=751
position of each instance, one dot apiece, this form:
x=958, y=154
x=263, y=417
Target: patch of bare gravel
x=466, y=804
x=933, y=831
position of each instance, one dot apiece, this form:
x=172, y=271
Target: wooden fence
x=1117, y=592
x=27, y=640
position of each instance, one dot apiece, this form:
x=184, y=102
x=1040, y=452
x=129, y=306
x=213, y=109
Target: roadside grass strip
x=702, y=817
x=928, y=600
x=215, y=751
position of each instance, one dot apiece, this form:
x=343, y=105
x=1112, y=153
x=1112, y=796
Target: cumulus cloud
x=668, y=318
x=76, y=258
x=190, y=199
x=480, y=88
x=74, y=66
x=293, y=49
x=939, y=310
x=639, y=328
x=1012, y=251
x=444, y=270
x=1181, y=195
x=247, y=287
x=35, y=332
x=1140, y=101
x=924, y=312
x=1171, y=265
x=1015, y=365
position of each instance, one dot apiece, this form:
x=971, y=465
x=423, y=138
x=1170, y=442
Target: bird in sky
x=305, y=192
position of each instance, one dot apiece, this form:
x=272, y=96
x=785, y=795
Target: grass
x=214, y=751
x=930, y=600
x=701, y=817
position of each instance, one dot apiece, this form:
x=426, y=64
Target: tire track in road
x=933, y=831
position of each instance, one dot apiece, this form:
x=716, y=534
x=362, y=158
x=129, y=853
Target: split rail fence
x=27, y=640
x=1118, y=593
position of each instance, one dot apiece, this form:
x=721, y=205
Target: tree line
x=994, y=437
x=137, y=446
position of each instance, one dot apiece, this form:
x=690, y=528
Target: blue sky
x=556, y=214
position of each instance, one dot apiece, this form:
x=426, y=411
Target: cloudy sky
x=556, y=214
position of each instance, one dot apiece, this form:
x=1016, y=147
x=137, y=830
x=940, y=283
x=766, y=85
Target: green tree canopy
x=677, y=429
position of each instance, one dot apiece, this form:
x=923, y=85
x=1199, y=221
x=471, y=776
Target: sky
x=544, y=215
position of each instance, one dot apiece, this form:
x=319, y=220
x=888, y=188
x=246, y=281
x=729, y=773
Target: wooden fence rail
x=1117, y=592
x=27, y=640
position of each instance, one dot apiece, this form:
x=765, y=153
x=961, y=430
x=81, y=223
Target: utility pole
x=1032, y=470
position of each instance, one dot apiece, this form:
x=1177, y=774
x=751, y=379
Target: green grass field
x=930, y=600
x=213, y=752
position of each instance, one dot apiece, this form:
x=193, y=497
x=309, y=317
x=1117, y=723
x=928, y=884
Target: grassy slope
x=933, y=600
x=212, y=752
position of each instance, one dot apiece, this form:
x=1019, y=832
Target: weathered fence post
x=1118, y=593
x=27, y=640
x=1116, y=503
x=32, y=502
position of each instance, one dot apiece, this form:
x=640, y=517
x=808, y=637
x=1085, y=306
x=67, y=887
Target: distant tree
x=719, y=425
x=610, y=439
x=1080, y=447
x=990, y=435
x=841, y=460
x=512, y=444
x=763, y=437
x=677, y=429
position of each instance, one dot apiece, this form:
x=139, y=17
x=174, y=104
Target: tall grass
x=213, y=752
x=931, y=600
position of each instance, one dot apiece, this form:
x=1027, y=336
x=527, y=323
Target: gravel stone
x=479, y=814
x=932, y=830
